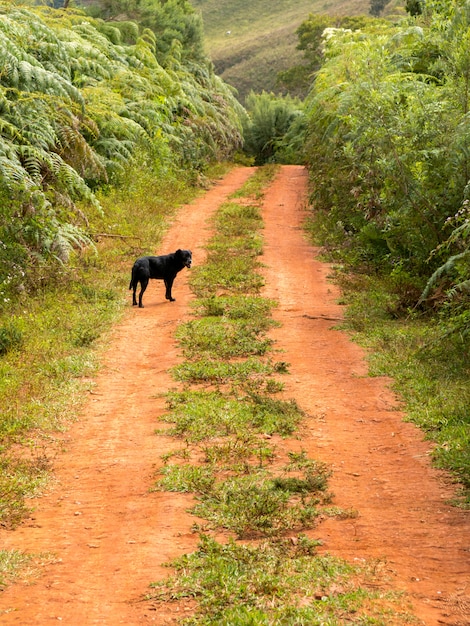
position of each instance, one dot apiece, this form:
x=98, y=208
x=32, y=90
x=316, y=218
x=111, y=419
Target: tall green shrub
x=387, y=124
x=268, y=128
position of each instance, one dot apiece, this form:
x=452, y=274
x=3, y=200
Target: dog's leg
x=143, y=286
x=133, y=286
x=169, y=285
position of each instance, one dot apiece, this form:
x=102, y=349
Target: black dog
x=164, y=267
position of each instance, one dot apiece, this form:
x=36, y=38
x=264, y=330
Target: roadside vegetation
x=232, y=429
x=82, y=102
x=106, y=126
x=387, y=125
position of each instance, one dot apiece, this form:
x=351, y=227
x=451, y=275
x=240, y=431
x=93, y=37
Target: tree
x=414, y=7
x=377, y=7
x=170, y=20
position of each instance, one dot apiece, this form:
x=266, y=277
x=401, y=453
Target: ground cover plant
x=231, y=428
x=276, y=582
x=428, y=363
x=15, y=564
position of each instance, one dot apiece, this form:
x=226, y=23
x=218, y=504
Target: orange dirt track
x=110, y=535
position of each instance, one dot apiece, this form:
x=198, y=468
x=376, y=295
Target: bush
x=11, y=337
x=270, y=118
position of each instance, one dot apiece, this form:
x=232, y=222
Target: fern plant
x=79, y=99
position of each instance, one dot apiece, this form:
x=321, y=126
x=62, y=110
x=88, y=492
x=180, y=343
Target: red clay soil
x=110, y=535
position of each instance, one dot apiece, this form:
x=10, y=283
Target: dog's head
x=185, y=256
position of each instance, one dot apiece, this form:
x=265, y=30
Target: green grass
x=251, y=373
x=186, y=478
x=262, y=40
x=429, y=367
x=255, y=505
x=222, y=337
x=15, y=564
x=254, y=186
x=278, y=582
x=201, y=415
x=233, y=457
x=239, y=453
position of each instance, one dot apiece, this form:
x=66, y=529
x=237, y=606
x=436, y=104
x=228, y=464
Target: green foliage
x=268, y=124
x=377, y=7
x=298, y=78
x=81, y=100
x=386, y=129
x=186, y=478
x=222, y=337
x=199, y=415
x=232, y=264
x=279, y=581
x=11, y=563
x=255, y=504
x=11, y=336
x=387, y=143
x=170, y=20
x=414, y=7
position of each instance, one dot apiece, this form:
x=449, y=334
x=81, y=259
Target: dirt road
x=110, y=535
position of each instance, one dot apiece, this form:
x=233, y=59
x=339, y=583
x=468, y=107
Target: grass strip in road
x=278, y=582
x=235, y=460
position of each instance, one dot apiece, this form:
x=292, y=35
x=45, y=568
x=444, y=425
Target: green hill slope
x=250, y=42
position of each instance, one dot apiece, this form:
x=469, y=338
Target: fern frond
x=34, y=160
x=66, y=238
x=463, y=287
x=441, y=271
x=9, y=130
x=14, y=177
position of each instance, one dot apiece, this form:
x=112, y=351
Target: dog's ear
x=178, y=252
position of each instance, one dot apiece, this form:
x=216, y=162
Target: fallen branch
x=323, y=317
x=96, y=235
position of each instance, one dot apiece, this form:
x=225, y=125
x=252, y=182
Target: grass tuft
x=277, y=581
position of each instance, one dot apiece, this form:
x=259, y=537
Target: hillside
x=250, y=42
